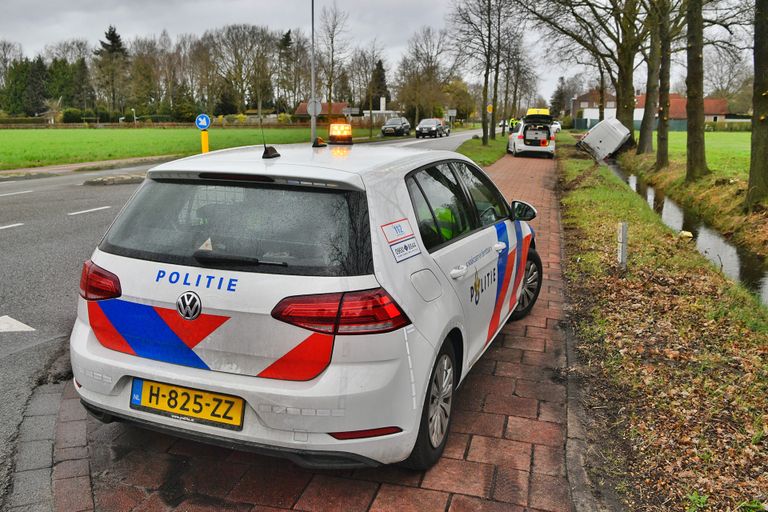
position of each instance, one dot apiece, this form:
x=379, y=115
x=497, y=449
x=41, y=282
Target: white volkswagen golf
x=322, y=305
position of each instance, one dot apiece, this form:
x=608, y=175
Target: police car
x=322, y=305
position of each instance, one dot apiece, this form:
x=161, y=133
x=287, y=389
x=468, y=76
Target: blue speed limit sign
x=203, y=121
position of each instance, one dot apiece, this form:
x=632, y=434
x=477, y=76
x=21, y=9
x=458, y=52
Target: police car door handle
x=499, y=246
x=458, y=272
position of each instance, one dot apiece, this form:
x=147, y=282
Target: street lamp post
x=313, y=116
x=134, y=116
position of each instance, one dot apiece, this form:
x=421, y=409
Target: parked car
x=396, y=126
x=604, y=139
x=430, y=127
x=556, y=126
x=322, y=305
x=533, y=135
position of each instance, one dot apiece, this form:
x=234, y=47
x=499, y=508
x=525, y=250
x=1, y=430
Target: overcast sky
x=35, y=23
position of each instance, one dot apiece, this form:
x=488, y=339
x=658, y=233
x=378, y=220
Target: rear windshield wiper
x=217, y=258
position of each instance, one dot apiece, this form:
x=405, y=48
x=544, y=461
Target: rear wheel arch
x=456, y=339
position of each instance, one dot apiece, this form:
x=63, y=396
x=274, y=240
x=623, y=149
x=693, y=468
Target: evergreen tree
x=226, y=102
x=35, y=91
x=344, y=88
x=61, y=81
x=16, y=85
x=82, y=91
x=111, y=63
x=379, y=83
x=559, y=100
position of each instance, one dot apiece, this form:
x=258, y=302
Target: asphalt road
x=48, y=227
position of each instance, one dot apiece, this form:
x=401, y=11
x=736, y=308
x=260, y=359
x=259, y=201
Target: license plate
x=191, y=405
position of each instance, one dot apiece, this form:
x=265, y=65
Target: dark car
x=396, y=126
x=430, y=128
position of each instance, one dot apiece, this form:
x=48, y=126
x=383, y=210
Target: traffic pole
x=313, y=118
x=204, y=140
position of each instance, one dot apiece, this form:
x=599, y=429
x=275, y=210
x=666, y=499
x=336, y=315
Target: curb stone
x=119, y=179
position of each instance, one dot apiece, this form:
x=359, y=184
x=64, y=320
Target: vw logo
x=189, y=306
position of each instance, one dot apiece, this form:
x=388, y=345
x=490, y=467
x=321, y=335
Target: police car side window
x=490, y=205
x=445, y=200
x=424, y=218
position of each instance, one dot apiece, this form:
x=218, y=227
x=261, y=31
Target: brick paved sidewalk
x=506, y=450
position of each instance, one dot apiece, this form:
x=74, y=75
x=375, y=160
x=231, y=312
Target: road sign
x=351, y=111
x=202, y=122
x=314, y=107
x=451, y=112
x=489, y=108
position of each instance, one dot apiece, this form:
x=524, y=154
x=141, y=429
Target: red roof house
x=715, y=109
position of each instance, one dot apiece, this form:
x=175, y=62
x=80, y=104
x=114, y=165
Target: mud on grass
x=676, y=354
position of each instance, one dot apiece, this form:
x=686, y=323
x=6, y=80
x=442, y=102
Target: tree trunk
x=625, y=89
x=497, y=65
x=645, y=142
x=758, y=169
x=665, y=44
x=601, y=106
x=484, y=114
x=696, y=164
x=505, y=110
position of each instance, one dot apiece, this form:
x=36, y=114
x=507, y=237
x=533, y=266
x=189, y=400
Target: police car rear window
x=246, y=227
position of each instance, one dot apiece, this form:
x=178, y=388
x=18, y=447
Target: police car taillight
x=363, y=312
x=97, y=283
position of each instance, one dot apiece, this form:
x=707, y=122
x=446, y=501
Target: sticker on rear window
x=405, y=249
x=397, y=230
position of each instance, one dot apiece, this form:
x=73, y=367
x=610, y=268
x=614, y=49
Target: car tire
x=531, y=285
x=425, y=454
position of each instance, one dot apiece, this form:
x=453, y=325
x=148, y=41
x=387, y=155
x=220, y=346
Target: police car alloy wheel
x=321, y=305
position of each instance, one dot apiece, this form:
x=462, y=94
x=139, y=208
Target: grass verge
x=36, y=148
x=718, y=197
x=677, y=352
x=484, y=155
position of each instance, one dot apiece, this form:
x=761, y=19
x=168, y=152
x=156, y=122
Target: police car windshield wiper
x=213, y=257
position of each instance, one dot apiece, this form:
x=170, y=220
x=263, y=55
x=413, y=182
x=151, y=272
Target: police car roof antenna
x=269, y=151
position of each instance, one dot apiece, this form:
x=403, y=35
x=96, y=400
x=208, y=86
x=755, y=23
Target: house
x=335, y=109
x=591, y=99
x=715, y=110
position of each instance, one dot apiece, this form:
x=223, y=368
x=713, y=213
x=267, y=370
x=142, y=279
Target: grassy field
x=717, y=197
x=484, y=155
x=34, y=148
x=674, y=354
x=727, y=152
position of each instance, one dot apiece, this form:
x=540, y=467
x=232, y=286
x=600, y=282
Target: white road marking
x=8, y=324
x=16, y=193
x=7, y=181
x=91, y=210
x=12, y=225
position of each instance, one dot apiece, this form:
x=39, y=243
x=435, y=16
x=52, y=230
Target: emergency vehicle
x=320, y=304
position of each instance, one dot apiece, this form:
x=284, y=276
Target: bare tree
x=472, y=25
x=69, y=50
x=758, y=169
x=696, y=162
x=333, y=26
x=653, y=66
x=612, y=31
x=9, y=51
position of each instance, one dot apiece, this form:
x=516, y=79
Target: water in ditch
x=735, y=261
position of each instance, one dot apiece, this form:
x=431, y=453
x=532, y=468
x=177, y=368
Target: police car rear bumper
x=310, y=459
x=286, y=417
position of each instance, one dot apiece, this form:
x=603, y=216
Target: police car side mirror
x=523, y=211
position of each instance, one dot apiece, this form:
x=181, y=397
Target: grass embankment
x=484, y=155
x=718, y=197
x=35, y=148
x=676, y=353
